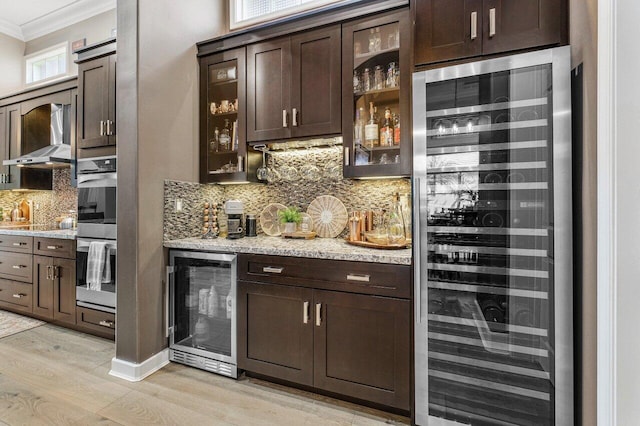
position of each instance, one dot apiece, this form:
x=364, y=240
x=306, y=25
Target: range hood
x=55, y=155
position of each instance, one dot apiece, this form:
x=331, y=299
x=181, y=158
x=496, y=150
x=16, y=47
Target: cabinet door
x=93, y=105
x=275, y=331
x=447, y=29
x=111, y=109
x=64, y=290
x=362, y=347
x=12, y=147
x=510, y=25
x=268, y=90
x=316, y=86
x=42, y=287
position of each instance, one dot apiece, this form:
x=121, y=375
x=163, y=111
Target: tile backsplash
x=50, y=204
x=307, y=175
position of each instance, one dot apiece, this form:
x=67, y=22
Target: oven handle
x=83, y=245
x=99, y=180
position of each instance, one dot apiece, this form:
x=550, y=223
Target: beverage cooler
x=492, y=244
x=202, y=310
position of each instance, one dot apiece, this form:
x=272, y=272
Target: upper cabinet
x=457, y=29
x=223, y=149
x=293, y=86
x=377, y=96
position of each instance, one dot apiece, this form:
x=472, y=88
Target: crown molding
x=63, y=17
x=12, y=30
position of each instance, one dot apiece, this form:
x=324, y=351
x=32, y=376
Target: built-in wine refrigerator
x=492, y=243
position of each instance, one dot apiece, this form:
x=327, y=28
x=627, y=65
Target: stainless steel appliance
x=492, y=242
x=235, y=212
x=202, y=310
x=104, y=298
x=97, y=188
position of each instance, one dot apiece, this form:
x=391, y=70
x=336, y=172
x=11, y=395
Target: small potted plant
x=291, y=217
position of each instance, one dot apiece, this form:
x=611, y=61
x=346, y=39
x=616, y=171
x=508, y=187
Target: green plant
x=290, y=215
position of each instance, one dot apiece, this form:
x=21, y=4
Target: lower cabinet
x=15, y=296
x=326, y=335
x=95, y=322
x=54, y=288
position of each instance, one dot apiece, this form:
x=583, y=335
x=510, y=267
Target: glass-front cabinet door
x=376, y=96
x=494, y=177
x=222, y=117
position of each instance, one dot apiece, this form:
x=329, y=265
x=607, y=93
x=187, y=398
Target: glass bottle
x=378, y=40
x=225, y=136
x=372, y=41
x=358, y=128
x=357, y=87
x=378, y=78
x=366, y=80
x=391, y=74
x=395, y=226
x=214, y=143
x=371, y=135
x=386, y=131
x=396, y=129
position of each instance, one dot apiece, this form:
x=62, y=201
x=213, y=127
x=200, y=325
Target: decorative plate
x=329, y=216
x=269, y=220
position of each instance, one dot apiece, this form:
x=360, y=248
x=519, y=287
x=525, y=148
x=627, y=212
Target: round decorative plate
x=329, y=216
x=269, y=220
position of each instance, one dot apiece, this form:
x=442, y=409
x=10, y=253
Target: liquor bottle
x=214, y=143
x=371, y=134
x=395, y=225
x=386, y=131
x=225, y=136
x=358, y=127
x=396, y=129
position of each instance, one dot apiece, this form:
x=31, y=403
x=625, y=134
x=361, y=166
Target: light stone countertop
x=64, y=234
x=318, y=248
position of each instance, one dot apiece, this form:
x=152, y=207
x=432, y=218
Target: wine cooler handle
x=474, y=25
x=167, y=306
x=416, y=250
x=492, y=22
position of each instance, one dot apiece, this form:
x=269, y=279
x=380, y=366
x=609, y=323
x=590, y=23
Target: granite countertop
x=318, y=248
x=42, y=231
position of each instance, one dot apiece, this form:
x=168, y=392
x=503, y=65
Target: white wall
x=11, y=54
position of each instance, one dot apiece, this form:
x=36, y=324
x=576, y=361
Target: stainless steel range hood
x=55, y=155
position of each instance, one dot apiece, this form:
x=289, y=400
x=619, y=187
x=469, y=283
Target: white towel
x=98, y=265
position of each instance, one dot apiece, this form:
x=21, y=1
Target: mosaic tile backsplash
x=308, y=173
x=50, y=204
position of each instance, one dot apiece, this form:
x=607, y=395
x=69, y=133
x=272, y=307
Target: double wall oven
x=97, y=188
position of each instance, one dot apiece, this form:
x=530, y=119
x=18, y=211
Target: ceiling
x=26, y=20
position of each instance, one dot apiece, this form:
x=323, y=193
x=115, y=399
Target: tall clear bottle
x=358, y=128
x=396, y=231
x=371, y=130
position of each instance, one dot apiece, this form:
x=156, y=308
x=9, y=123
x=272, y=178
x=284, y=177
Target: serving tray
x=368, y=244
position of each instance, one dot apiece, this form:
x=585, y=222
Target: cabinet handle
x=19, y=244
x=474, y=25
x=53, y=247
x=2, y=178
x=49, y=273
x=358, y=277
x=492, y=22
x=305, y=313
x=108, y=127
x=346, y=155
x=101, y=127
x=284, y=118
x=56, y=270
x=19, y=266
x=240, y=163
x=106, y=323
x=294, y=117
x=318, y=314
x=7, y=178
x=272, y=270
x=19, y=295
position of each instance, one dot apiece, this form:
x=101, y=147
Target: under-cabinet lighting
x=233, y=183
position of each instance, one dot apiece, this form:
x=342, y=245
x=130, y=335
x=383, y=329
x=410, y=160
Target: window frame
x=44, y=54
x=313, y=5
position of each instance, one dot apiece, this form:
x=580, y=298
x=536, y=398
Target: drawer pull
x=358, y=277
x=318, y=314
x=106, y=323
x=272, y=270
x=53, y=247
x=19, y=244
x=19, y=266
x=305, y=313
x=19, y=295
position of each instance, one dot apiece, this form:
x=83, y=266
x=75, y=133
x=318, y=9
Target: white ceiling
x=29, y=19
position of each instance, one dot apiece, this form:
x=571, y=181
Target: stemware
x=262, y=172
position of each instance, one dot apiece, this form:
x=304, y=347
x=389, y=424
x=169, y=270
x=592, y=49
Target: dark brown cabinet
x=96, y=106
x=334, y=332
x=458, y=29
x=377, y=96
x=54, y=288
x=96, y=322
x=293, y=86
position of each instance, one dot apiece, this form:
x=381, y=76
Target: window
x=46, y=64
x=249, y=12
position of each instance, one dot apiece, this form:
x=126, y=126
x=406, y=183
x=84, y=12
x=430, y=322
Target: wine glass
x=261, y=173
x=309, y=171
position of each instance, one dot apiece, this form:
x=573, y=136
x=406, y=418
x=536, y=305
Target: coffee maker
x=235, y=212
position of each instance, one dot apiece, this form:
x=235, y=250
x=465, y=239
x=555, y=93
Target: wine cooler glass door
x=490, y=265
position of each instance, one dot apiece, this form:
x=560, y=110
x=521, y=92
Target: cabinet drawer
x=100, y=323
x=55, y=247
x=16, y=266
x=354, y=277
x=16, y=295
x=17, y=243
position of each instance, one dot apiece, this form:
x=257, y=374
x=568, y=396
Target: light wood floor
x=51, y=375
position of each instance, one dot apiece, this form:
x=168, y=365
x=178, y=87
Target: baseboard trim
x=133, y=372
